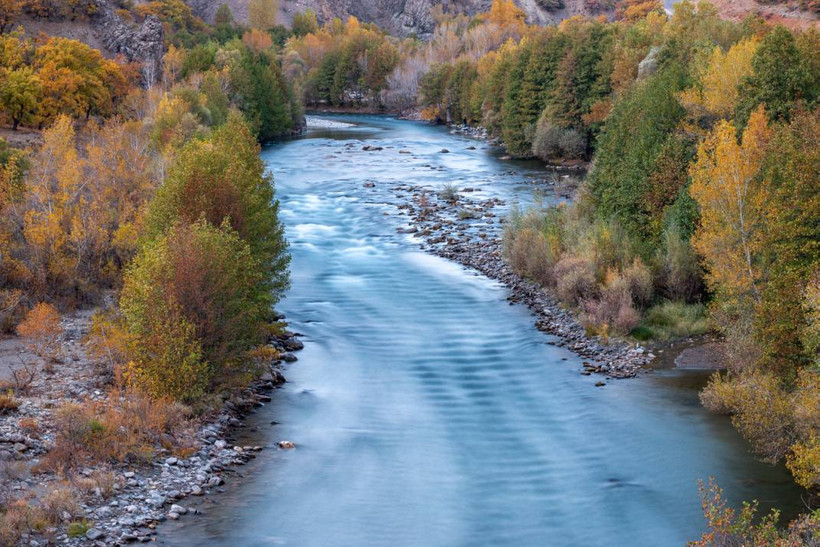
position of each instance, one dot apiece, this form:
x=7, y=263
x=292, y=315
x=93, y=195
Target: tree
x=53, y=193
x=645, y=117
x=19, y=94
x=257, y=40
x=782, y=76
x=305, y=23
x=223, y=16
x=41, y=329
x=263, y=13
x=264, y=95
x=193, y=309
x=10, y=10
x=791, y=242
x=75, y=79
x=732, y=200
x=223, y=180
x=717, y=90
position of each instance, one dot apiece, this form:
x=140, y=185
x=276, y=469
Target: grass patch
x=449, y=192
x=671, y=320
x=78, y=529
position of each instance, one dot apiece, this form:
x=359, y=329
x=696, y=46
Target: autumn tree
x=10, y=10
x=53, y=195
x=257, y=40
x=717, y=90
x=75, y=79
x=262, y=14
x=19, y=94
x=41, y=330
x=222, y=179
x=732, y=200
x=305, y=23
x=193, y=310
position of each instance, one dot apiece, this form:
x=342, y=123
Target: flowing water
x=426, y=410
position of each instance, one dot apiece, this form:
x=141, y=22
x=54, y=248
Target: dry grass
x=8, y=403
x=22, y=516
x=30, y=426
x=101, y=482
x=129, y=427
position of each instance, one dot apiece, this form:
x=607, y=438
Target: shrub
x=761, y=410
x=612, y=312
x=78, y=529
x=681, y=272
x=11, y=306
x=575, y=279
x=552, y=142
x=41, y=328
x=57, y=502
x=129, y=427
x=531, y=256
x=8, y=403
x=193, y=307
x=638, y=278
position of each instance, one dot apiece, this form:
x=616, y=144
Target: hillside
x=401, y=17
x=404, y=17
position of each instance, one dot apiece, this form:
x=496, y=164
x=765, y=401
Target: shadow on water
x=428, y=411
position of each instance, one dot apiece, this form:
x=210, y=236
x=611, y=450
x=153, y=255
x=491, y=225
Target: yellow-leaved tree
x=262, y=14
x=716, y=93
x=732, y=200
x=52, y=192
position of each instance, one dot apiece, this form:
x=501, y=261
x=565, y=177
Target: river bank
x=112, y=503
x=468, y=231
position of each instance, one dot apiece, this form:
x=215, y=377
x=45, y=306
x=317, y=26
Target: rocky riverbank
x=468, y=230
x=111, y=503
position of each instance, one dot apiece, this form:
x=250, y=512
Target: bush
x=78, y=529
x=194, y=304
x=41, y=328
x=761, y=410
x=552, y=142
x=575, y=279
x=730, y=527
x=682, y=277
x=449, y=193
x=530, y=256
x=129, y=427
x=612, y=312
x=8, y=403
x=638, y=278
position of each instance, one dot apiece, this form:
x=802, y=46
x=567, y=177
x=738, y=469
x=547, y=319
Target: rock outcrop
x=145, y=44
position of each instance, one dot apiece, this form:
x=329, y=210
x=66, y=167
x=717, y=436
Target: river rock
x=94, y=534
x=286, y=445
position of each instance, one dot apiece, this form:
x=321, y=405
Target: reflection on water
x=428, y=411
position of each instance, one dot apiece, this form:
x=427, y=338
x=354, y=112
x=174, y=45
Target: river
x=426, y=410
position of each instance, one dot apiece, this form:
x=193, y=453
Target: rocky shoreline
x=136, y=498
x=466, y=230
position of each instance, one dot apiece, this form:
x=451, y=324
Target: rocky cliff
x=145, y=44
x=400, y=17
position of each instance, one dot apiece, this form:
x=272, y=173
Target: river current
x=426, y=410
